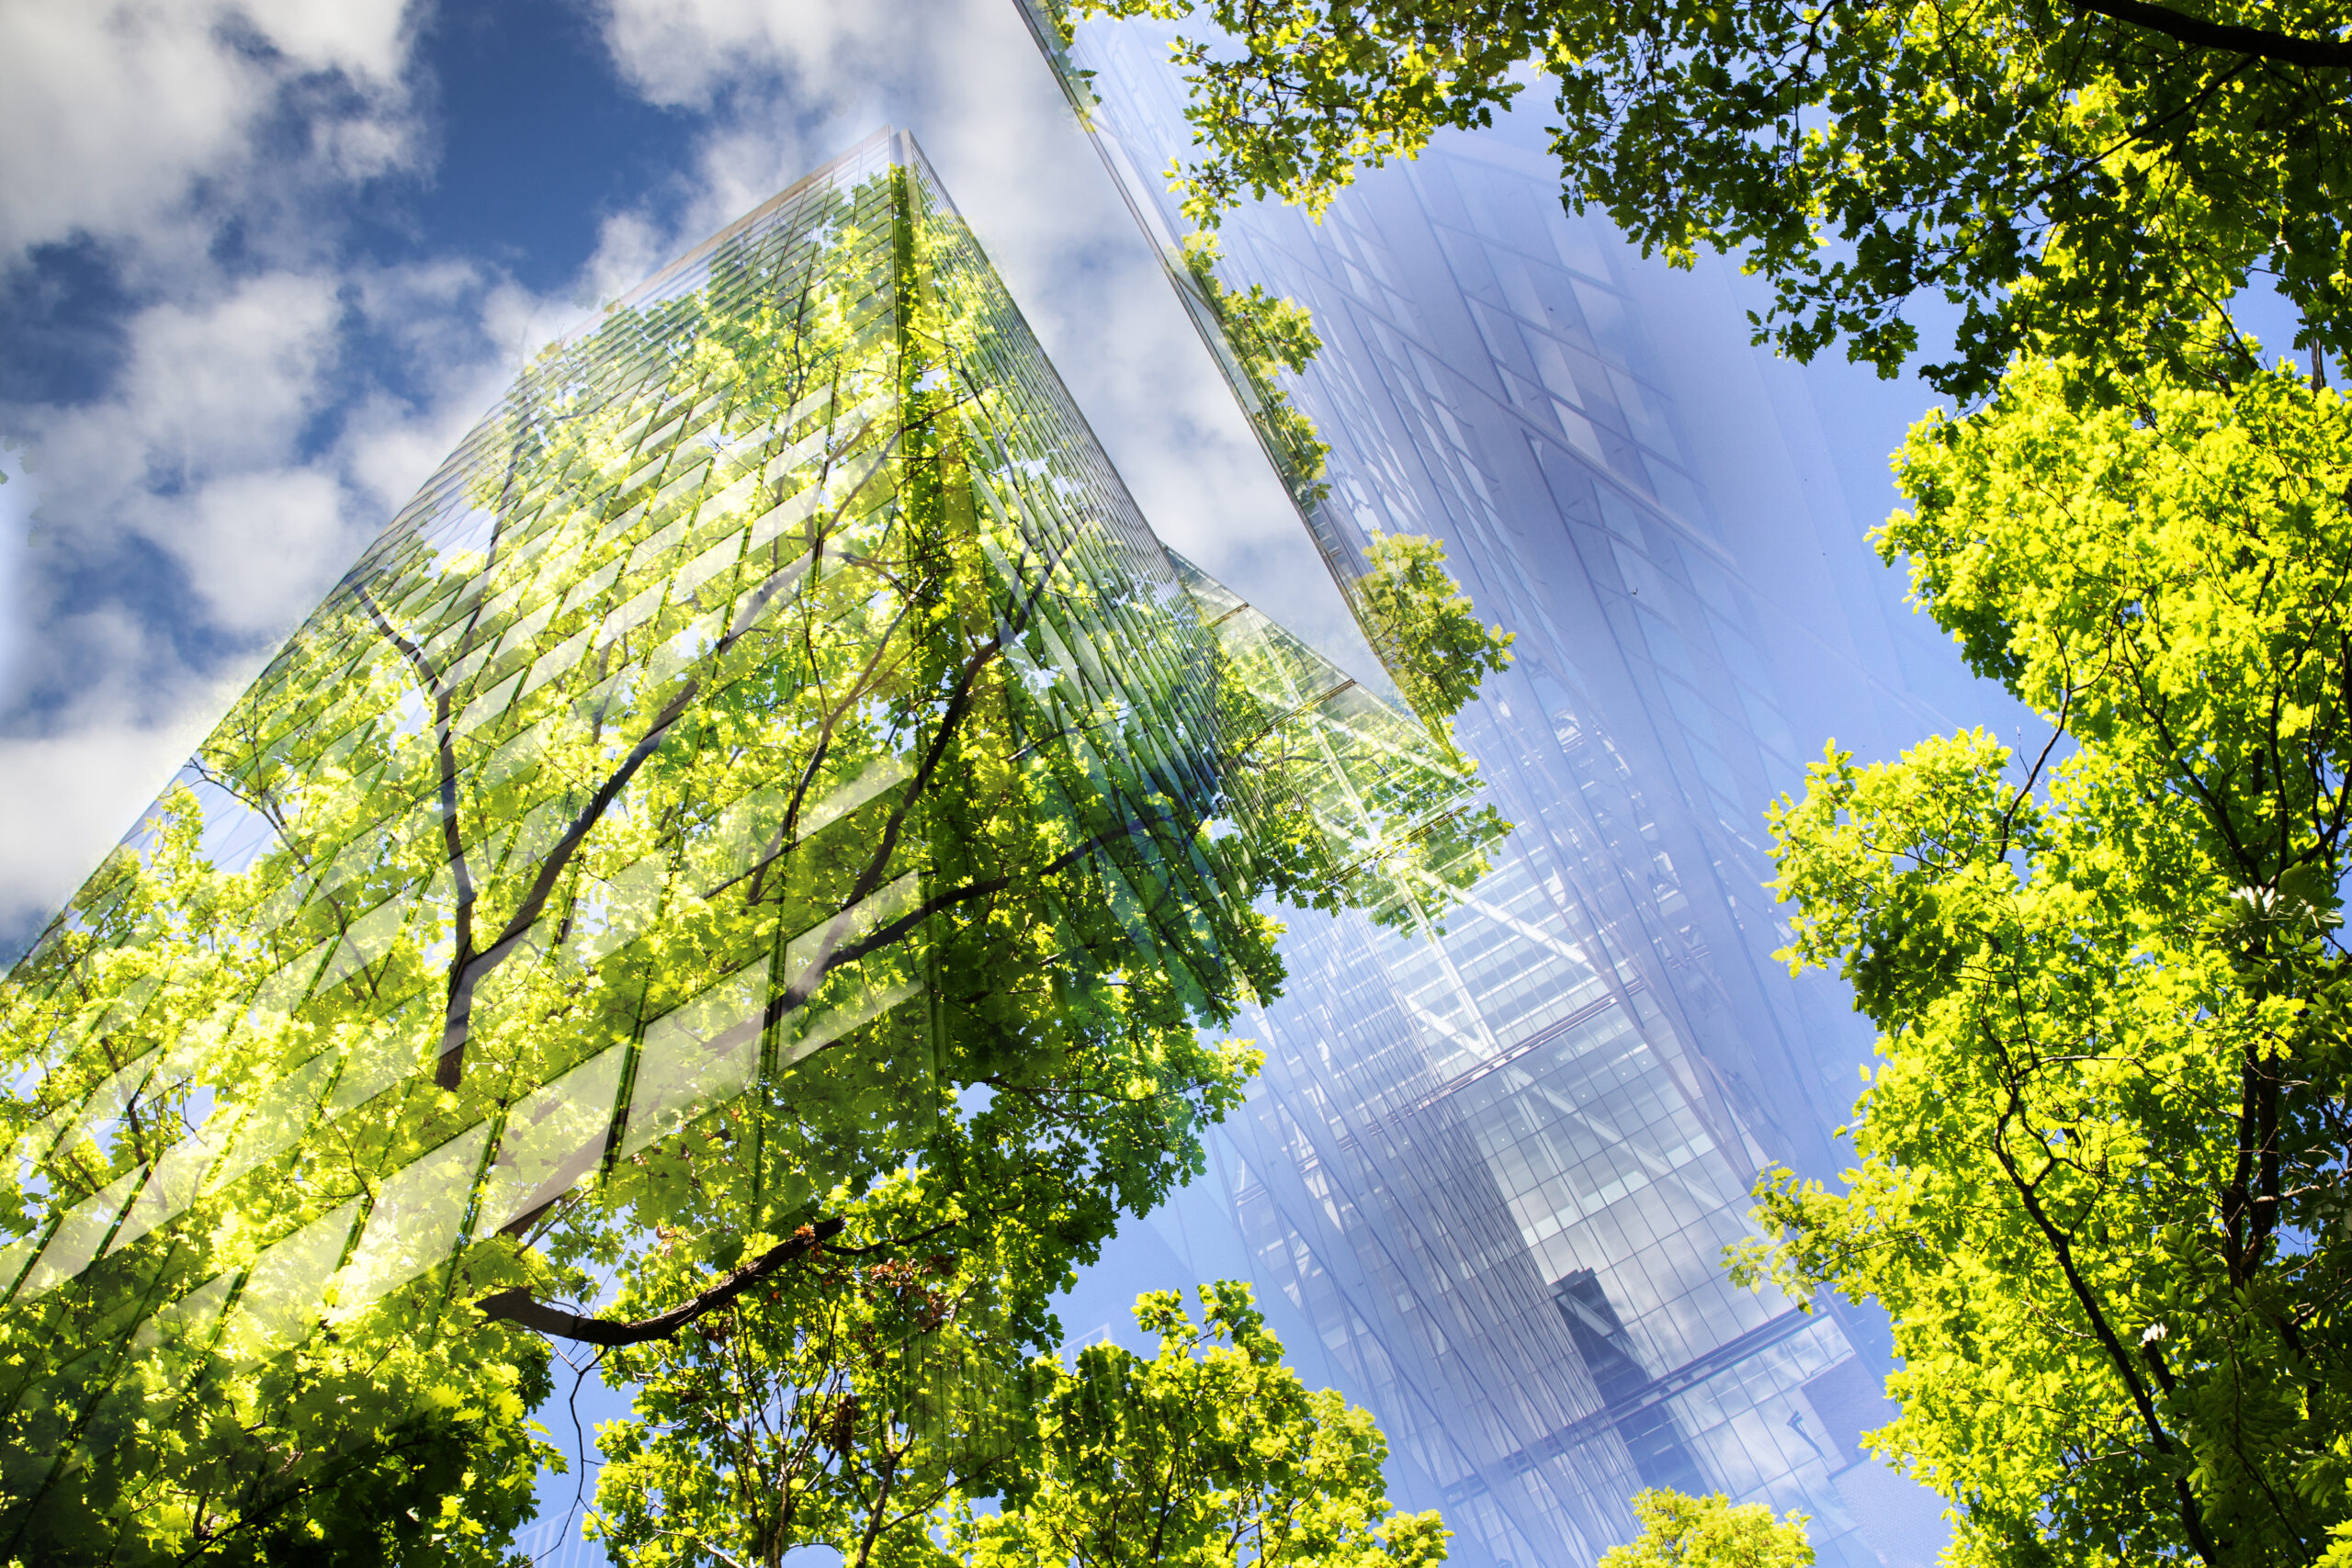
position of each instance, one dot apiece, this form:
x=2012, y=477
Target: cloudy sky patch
x=262, y=264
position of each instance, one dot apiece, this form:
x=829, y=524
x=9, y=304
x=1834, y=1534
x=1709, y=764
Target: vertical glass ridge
x=1491, y=1165
x=645, y=796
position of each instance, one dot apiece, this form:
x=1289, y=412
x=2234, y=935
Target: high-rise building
x=750, y=739
x=1493, y=1163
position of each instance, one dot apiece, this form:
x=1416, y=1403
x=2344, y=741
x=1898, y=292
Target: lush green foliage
x=2090, y=179
x=781, y=806
x=1210, y=1452
x=2103, y=1181
x=871, y=1408
x=1709, y=1532
x=1425, y=626
x=843, y=1403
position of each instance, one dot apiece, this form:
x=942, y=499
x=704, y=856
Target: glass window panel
x=414, y=1224
x=80, y=1234
x=697, y=1056
x=188, y=1319
x=554, y=1137
x=279, y=1117
x=282, y=1290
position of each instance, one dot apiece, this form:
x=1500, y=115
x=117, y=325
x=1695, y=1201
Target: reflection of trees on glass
x=1438, y=647
x=768, y=802
x=1268, y=335
x=1251, y=334
x=1255, y=337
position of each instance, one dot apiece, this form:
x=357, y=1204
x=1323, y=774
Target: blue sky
x=263, y=261
x=262, y=264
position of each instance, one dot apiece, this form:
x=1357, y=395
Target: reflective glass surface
x=1495, y=1156
x=774, y=720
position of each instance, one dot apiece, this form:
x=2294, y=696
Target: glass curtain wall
x=1493, y=1160
x=647, y=835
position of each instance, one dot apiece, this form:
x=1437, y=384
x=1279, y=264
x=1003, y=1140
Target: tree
x=1267, y=335
x=842, y=1404
x=2101, y=1164
x=1210, y=1452
x=2095, y=179
x=1709, y=1532
x=768, y=797
x=1427, y=628
x=2102, y=1181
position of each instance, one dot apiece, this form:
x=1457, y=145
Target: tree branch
x=2192, y=1515
x=518, y=1305
x=2287, y=49
x=834, y=953
x=458, y=1025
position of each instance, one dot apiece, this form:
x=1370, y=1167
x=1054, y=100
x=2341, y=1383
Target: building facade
x=1494, y=1161
x=640, y=842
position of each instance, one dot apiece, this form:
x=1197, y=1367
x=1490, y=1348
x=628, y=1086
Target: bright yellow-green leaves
x=2103, y=1158
x=1427, y=630
x=2076, y=183
x=1710, y=1532
x=2170, y=573
x=1208, y=1453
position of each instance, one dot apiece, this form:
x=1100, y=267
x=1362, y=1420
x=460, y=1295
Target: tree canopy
x=896, y=1424
x=2103, y=1175
x=2094, y=179
x=767, y=832
x=1210, y=1452
x=1680, y=1531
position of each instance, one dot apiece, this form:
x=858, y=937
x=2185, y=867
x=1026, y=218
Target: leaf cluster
x=2102, y=1176
x=2095, y=180
x=1680, y=1531
x=1426, y=627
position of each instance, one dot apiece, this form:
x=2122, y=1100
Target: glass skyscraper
x=1493, y=1162
x=650, y=838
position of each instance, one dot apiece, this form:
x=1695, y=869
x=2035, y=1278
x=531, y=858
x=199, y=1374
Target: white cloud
x=223, y=382
x=260, y=547
x=111, y=110
x=789, y=85
x=365, y=37
x=205, y=456
x=684, y=52
x=85, y=789
x=196, y=452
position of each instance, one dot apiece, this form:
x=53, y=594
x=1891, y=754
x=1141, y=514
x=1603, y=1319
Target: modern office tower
x=775, y=719
x=1493, y=1167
